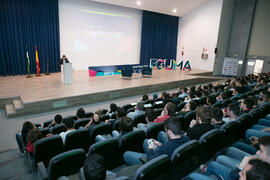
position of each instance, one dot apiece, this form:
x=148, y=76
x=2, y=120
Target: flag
x=28, y=62
x=37, y=62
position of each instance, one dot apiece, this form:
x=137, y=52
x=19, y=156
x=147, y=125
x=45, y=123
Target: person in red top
x=33, y=136
x=168, y=111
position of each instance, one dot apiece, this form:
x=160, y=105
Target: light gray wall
x=223, y=34
x=259, y=44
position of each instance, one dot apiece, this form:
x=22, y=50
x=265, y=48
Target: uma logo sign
x=168, y=64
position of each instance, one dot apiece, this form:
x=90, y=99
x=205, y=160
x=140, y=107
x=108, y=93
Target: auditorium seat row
x=187, y=157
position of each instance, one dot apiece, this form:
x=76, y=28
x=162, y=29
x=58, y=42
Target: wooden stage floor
x=50, y=88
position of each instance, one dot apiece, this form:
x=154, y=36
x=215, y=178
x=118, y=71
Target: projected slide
x=97, y=34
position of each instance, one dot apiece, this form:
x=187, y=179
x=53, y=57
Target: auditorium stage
x=20, y=95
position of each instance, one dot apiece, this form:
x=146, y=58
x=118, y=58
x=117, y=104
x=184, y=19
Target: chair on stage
x=126, y=73
x=146, y=71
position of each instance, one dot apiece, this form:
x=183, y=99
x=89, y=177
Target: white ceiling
x=160, y=6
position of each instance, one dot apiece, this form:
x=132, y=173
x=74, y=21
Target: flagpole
x=28, y=64
x=47, y=73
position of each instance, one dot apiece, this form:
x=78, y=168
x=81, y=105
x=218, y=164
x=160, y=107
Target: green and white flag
x=28, y=62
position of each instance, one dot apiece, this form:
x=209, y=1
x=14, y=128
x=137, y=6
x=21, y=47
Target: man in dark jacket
x=154, y=148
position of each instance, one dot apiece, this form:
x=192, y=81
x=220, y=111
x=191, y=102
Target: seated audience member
x=232, y=112
x=168, y=111
x=189, y=106
x=255, y=170
x=57, y=120
x=94, y=168
x=264, y=97
x=155, y=149
x=93, y=121
x=125, y=126
x=138, y=111
x=210, y=100
x=69, y=124
x=27, y=127
x=190, y=96
x=255, y=100
x=120, y=112
x=222, y=96
x=113, y=109
x=145, y=97
x=33, y=136
x=246, y=105
x=227, y=167
x=183, y=93
x=197, y=94
x=217, y=115
x=236, y=92
x=80, y=113
x=201, y=125
x=166, y=97
x=150, y=116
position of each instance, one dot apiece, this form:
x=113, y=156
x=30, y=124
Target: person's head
x=28, y=126
x=265, y=96
x=150, y=115
x=255, y=170
x=247, y=104
x=120, y=112
x=210, y=100
x=155, y=96
x=191, y=95
x=233, y=110
x=192, y=88
x=96, y=119
x=94, y=167
x=80, y=113
x=264, y=152
x=197, y=93
x=173, y=128
x=139, y=106
x=69, y=123
x=216, y=114
x=113, y=107
x=34, y=135
x=203, y=115
x=223, y=96
x=58, y=119
x=176, y=100
x=145, y=97
x=237, y=90
x=163, y=94
x=64, y=56
x=254, y=99
x=184, y=90
x=191, y=106
x=126, y=124
x=170, y=109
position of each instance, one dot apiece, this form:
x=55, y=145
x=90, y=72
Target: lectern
x=66, y=73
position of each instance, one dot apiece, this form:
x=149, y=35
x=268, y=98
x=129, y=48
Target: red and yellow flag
x=37, y=62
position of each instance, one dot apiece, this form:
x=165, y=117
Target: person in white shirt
x=69, y=124
x=138, y=110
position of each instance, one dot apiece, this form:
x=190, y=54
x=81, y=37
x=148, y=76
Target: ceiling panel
x=161, y=6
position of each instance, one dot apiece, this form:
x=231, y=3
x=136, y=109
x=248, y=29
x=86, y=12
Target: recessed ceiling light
x=174, y=10
x=138, y=3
